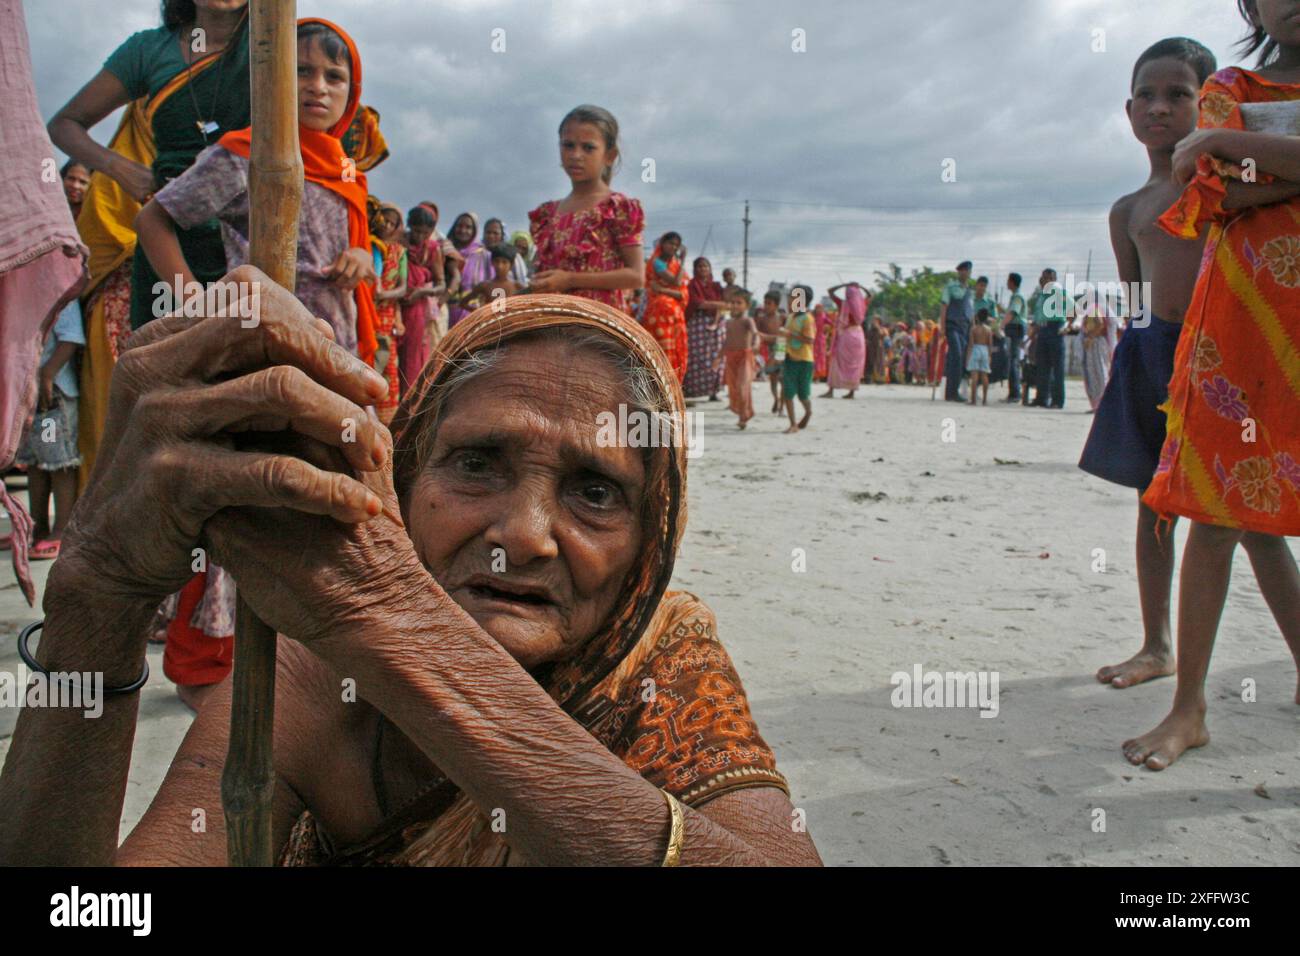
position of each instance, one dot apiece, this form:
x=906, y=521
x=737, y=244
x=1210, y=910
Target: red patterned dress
x=589, y=241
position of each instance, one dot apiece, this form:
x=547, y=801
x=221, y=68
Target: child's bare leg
x=807, y=411
x=1155, y=572
x=1279, y=582
x=1203, y=588
x=38, y=484
x=789, y=410
x=65, y=496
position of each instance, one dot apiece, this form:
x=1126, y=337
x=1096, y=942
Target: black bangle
x=25, y=634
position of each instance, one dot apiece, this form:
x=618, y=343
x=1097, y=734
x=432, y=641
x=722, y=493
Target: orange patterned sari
x=1232, y=452
x=665, y=316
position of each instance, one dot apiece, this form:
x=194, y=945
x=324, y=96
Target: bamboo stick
x=275, y=194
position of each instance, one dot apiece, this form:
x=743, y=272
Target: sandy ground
x=924, y=551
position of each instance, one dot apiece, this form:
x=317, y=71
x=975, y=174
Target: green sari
x=215, y=88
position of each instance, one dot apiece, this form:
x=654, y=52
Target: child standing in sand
x=1231, y=457
x=797, y=370
x=740, y=339
x=979, y=355
x=769, y=323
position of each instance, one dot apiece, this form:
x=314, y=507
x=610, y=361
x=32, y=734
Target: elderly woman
x=485, y=665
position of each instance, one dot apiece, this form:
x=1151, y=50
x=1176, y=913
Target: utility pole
x=1088, y=274
x=744, y=281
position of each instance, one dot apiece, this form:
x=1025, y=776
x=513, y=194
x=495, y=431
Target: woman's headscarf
x=701, y=290
x=665, y=499
x=474, y=241
x=527, y=237
x=325, y=162
x=572, y=683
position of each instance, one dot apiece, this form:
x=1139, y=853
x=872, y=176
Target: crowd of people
x=169, y=197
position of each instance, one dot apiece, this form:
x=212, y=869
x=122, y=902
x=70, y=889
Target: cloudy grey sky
x=839, y=148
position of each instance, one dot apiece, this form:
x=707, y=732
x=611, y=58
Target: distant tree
x=908, y=298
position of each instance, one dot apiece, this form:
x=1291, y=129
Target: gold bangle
x=676, y=832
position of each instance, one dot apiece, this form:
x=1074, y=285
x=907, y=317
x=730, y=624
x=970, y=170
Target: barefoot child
x=979, y=355
x=1125, y=441
x=797, y=370
x=1231, y=458
x=740, y=339
x=50, y=450
x=769, y=323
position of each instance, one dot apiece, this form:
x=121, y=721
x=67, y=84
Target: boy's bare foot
x=803, y=422
x=1141, y=667
x=193, y=695
x=1181, y=730
x=792, y=430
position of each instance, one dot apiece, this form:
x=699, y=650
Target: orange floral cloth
x=392, y=275
x=1232, y=452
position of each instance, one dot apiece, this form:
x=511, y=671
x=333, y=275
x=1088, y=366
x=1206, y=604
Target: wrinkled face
x=523, y=519
x=76, y=183
x=493, y=234
x=463, y=232
x=521, y=246
x=1163, y=109
x=583, y=152
x=323, y=87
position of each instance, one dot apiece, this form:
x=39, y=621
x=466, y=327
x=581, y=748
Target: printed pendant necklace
x=209, y=126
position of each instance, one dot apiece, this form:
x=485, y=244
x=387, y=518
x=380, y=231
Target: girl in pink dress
x=589, y=243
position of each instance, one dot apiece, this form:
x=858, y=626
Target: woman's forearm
x=64, y=778
x=625, y=278
x=73, y=138
x=157, y=236
x=470, y=707
x=1274, y=154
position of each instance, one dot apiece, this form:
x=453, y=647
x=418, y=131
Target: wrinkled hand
x=353, y=267
x=187, y=400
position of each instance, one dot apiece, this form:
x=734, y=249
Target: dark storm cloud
x=840, y=147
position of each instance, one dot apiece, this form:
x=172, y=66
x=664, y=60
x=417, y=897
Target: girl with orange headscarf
x=334, y=270
x=334, y=259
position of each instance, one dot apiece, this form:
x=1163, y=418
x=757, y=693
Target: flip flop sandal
x=45, y=550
